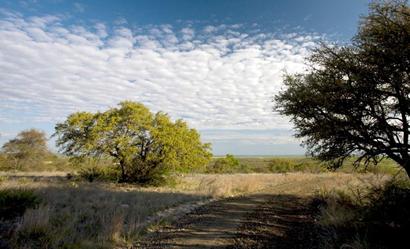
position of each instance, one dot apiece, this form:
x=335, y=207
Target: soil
x=261, y=220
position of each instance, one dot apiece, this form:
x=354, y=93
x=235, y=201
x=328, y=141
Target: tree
x=144, y=145
x=354, y=100
x=29, y=148
x=225, y=164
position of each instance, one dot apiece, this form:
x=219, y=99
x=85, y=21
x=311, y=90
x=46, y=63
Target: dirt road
x=263, y=220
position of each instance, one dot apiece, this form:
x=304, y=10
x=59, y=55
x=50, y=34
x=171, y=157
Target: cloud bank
x=214, y=77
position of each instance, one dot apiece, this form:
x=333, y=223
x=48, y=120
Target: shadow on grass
x=37, y=178
x=86, y=215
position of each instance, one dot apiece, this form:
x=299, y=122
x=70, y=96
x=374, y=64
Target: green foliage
x=294, y=164
x=13, y=202
x=92, y=169
x=3, y=162
x=282, y=165
x=28, y=150
x=145, y=146
x=227, y=164
x=356, y=100
x=90, y=174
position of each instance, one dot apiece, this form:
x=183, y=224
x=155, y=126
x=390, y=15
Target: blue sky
x=215, y=64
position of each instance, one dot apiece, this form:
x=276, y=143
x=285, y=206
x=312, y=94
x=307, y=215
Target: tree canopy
x=224, y=164
x=355, y=98
x=29, y=148
x=143, y=144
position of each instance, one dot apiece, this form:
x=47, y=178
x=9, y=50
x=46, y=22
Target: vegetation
x=293, y=164
x=28, y=149
x=145, y=146
x=377, y=217
x=227, y=164
x=355, y=100
x=63, y=213
x=13, y=202
x=352, y=109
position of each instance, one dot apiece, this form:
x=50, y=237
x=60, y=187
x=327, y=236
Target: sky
x=214, y=63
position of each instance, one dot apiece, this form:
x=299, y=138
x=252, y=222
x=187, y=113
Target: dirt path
x=283, y=222
x=264, y=220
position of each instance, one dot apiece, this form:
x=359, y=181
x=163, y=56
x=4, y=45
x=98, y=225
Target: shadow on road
x=255, y=221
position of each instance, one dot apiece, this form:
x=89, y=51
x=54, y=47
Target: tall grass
x=79, y=214
x=376, y=216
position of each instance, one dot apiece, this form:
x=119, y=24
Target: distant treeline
x=218, y=165
x=282, y=164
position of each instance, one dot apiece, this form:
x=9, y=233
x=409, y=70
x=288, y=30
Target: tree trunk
x=123, y=175
x=407, y=168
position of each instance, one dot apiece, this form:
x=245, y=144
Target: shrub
x=244, y=168
x=90, y=174
x=278, y=165
x=388, y=213
x=14, y=202
x=283, y=165
x=99, y=173
x=379, y=218
x=33, y=230
x=227, y=164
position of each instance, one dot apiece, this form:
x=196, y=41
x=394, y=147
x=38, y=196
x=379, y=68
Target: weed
x=13, y=202
x=377, y=218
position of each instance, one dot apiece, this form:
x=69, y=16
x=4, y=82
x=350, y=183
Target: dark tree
x=355, y=99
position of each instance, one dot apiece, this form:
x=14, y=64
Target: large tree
x=355, y=98
x=28, y=149
x=143, y=144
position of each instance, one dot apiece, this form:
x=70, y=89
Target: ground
x=277, y=217
x=200, y=211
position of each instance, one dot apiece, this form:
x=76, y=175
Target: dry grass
x=220, y=185
x=373, y=215
x=33, y=173
x=89, y=215
x=99, y=215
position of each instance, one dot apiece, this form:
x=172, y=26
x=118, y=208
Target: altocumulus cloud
x=215, y=77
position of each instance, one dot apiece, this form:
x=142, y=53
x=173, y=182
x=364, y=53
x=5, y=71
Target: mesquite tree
x=355, y=98
x=27, y=150
x=143, y=145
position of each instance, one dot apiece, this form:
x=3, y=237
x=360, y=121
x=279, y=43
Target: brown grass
x=100, y=215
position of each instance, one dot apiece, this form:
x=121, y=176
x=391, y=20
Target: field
x=73, y=213
x=246, y=164
x=111, y=113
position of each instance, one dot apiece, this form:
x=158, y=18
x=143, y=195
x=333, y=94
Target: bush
x=14, y=202
x=111, y=173
x=227, y=164
x=90, y=174
x=378, y=219
x=99, y=173
x=388, y=213
x=282, y=165
x=278, y=165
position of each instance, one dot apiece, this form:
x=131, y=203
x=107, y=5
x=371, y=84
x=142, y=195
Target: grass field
x=59, y=209
x=79, y=214
x=247, y=164
x=282, y=164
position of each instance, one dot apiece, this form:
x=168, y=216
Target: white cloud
x=267, y=137
x=216, y=77
x=188, y=33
